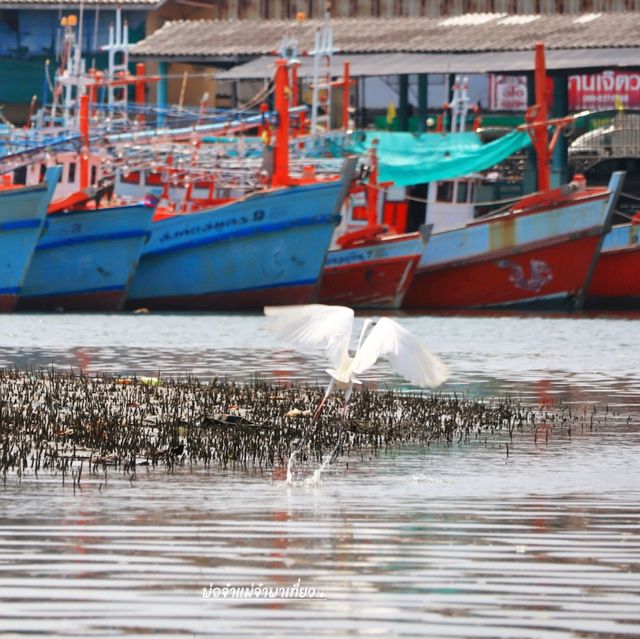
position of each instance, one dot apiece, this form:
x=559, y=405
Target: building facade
x=277, y=9
x=31, y=43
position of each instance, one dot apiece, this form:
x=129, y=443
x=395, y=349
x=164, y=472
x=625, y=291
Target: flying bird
x=330, y=327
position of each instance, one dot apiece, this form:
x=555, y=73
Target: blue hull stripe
x=104, y=289
x=114, y=209
x=11, y=290
x=87, y=239
x=20, y=224
x=229, y=291
x=261, y=288
x=248, y=232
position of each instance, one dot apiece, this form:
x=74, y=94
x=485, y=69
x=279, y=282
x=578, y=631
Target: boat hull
x=8, y=302
x=22, y=215
x=266, y=249
x=536, y=258
x=375, y=275
x=86, y=259
x=615, y=281
x=540, y=276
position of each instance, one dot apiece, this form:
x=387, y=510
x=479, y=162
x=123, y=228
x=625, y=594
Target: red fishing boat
x=615, y=280
x=371, y=271
x=372, y=264
x=543, y=250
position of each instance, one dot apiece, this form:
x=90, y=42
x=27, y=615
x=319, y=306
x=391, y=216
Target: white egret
x=330, y=327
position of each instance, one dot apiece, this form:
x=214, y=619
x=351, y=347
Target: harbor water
x=537, y=539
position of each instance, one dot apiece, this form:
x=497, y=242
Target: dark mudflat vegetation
x=74, y=425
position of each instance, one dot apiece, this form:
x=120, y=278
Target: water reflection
x=443, y=542
x=459, y=541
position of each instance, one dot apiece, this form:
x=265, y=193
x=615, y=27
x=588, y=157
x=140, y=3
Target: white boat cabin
x=70, y=178
x=451, y=203
x=443, y=205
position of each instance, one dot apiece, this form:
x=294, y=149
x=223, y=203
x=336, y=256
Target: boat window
x=471, y=187
x=153, y=179
x=72, y=172
x=131, y=178
x=445, y=192
x=43, y=170
x=20, y=175
x=94, y=174
x=461, y=195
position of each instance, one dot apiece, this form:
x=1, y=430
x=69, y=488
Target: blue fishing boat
x=85, y=259
x=266, y=248
x=22, y=213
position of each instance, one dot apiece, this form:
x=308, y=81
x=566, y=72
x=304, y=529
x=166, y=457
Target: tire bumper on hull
x=547, y=275
x=246, y=300
x=96, y=301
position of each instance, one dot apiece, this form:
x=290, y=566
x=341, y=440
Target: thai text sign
x=507, y=92
x=589, y=91
x=606, y=90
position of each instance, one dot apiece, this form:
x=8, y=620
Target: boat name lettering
x=213, y=226
x=352, y=257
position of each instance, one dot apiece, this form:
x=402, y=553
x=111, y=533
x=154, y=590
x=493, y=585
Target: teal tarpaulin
x=405, y=158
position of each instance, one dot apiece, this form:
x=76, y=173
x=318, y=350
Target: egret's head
x=367, y=325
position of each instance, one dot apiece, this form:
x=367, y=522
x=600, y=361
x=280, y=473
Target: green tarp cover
x=405, y=158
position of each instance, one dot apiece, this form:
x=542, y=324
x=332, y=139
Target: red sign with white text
x=606, y=90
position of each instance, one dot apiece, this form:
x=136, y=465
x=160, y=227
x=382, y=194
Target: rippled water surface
x=460, y=541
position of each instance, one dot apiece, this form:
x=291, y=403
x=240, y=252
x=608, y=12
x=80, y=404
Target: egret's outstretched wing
x=406, y=353
x=314, y=325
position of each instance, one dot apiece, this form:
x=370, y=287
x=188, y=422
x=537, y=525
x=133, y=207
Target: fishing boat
x=22, y=214
x=85, y=260
x=371, y=272
x=371, y=264
x=266, y=247
x=615, y=280
x=87, y=253
x=542, y=251
x=539, y=253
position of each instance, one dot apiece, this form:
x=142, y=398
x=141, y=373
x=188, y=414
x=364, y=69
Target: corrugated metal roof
x=460, y=34
x=378, y=64
x=75, y=4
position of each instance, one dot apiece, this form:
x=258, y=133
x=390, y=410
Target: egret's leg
x=303, y=441
x=336, y=448
x=347, y=397
x=324, y=399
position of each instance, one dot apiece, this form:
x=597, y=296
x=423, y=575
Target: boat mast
x=118, y=56
x=281, y=146
x=71, y=77
x=539, y=113
x=84, y=137
x=459, y=105
x=322, y=52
